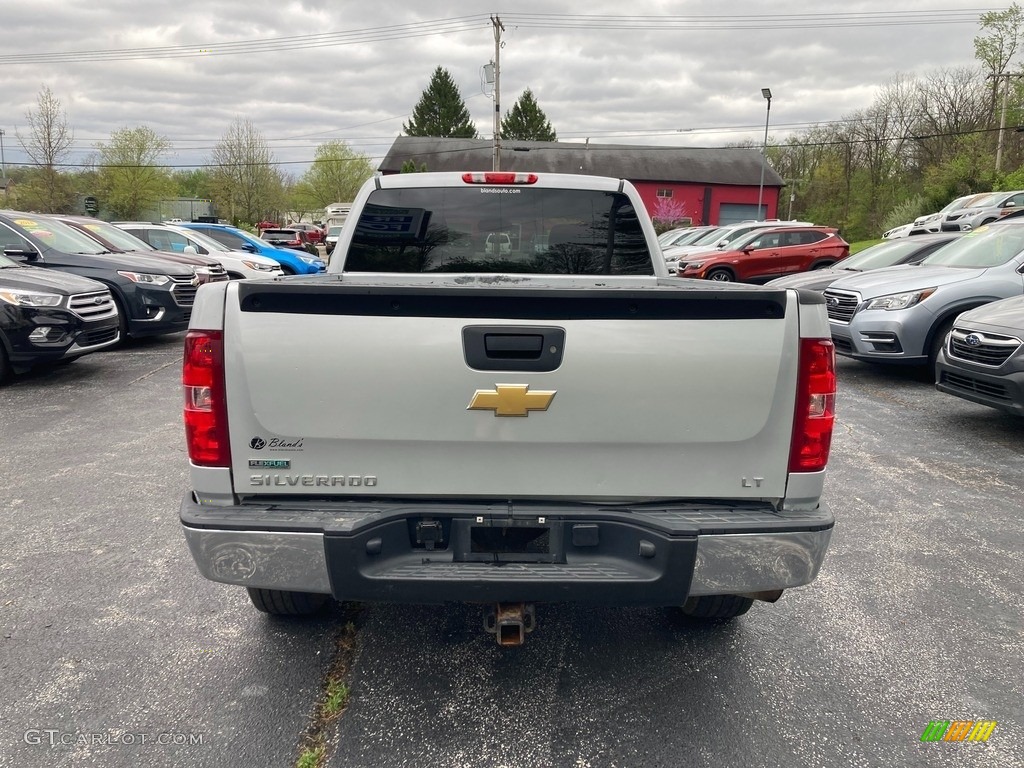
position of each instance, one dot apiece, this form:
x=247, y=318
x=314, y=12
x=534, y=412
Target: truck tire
x=720, y=276
x=713, y=607
x=278, y=602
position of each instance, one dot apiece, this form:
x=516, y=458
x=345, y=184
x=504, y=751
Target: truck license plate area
x=507, y=541
x=510, y=540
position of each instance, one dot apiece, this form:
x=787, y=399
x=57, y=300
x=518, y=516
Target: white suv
x=169, y=237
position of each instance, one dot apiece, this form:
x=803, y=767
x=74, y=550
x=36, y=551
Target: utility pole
x=1002, y=119
x=3, y=163
x=498, y=29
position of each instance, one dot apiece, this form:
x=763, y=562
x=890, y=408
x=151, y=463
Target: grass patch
x=337, y=697
x=334, y=696
x=311, y=758
x=860, y=245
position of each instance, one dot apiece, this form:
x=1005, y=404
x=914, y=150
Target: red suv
x=313, y=232
x=768, y=253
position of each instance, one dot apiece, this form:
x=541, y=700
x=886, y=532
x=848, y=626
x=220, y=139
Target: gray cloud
x=693, y=81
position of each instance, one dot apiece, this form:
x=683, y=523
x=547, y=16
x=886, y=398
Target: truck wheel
x=278, y=602
x=720, y=275
x=717, y=606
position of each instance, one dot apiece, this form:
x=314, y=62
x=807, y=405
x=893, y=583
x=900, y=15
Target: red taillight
x=815, y=406
x=206, y=415
x=499, y=177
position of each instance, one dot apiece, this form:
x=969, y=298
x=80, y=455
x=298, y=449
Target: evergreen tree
x=441, y=111
x=526, y=121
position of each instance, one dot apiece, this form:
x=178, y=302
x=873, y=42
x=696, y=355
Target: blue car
x=293, y=262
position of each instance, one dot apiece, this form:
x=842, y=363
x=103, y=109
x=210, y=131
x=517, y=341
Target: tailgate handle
x=513, y=348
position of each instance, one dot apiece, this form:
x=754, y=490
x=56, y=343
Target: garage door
x=733, y=213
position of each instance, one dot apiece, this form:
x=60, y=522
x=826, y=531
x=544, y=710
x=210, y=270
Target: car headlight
x=145, y=277
x=260, y=267
x=30, y=298
x=691, y=265
x=309, y=260
x=899, y=300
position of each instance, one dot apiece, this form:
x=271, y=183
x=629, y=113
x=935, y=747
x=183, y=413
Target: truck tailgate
x=339, y=390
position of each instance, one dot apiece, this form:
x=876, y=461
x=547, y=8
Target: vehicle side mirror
x=748, y=248
x=249, y=247
x=21, y=252
x=1010, y=204
x=190, y=249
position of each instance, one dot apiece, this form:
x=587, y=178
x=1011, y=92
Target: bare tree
x=48, y=143
x=245, y=178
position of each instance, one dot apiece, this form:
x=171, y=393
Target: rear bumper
x=588, y=554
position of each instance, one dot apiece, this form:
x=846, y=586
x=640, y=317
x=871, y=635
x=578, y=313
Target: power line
x=695, y=23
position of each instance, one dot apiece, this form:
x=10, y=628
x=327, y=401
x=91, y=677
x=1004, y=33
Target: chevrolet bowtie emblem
x=511, y=400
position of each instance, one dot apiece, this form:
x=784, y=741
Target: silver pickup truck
x=434, y=420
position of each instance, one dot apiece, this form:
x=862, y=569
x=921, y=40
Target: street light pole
x=3, y=164
x=767, y=93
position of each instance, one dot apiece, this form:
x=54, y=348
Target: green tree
x=246, y=182
x=410, y=166
x=996, y=47
x=131, y=180
x=194, y=182
x=48, y=144
x=441, y=111
x=526, y=121
x=336, y=174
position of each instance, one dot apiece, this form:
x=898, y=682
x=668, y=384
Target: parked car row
x=767, y=253
x=719, y=238
x=963, y=214
x=71, y=285
x=953, y=302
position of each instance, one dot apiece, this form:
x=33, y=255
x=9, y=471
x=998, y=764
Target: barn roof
x=739, y=166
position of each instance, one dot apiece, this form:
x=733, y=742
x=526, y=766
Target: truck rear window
x=533, y=230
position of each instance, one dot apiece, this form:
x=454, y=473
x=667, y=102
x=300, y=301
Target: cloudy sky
x=307, y=71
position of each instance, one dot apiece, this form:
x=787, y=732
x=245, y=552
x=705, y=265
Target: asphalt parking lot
x=115, y=652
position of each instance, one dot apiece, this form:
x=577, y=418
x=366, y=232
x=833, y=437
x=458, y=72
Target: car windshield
x=710, y=237
x=744, y=239
x=987, y=246
x=59, y=235
x=687, y=237
x=280, y=234
x=987, y=201
x=960, y=202
x=523, y=229
x=207, y=242
x=333, y=230
x=882, y=255
x=117, y=236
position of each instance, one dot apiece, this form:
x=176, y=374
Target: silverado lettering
x=313, y=480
